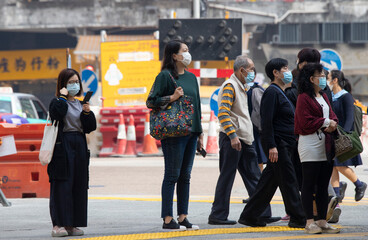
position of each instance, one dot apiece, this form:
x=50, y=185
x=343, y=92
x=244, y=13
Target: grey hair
x=241, y=61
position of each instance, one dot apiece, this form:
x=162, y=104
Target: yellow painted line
x=202, y=232
x=312, y=236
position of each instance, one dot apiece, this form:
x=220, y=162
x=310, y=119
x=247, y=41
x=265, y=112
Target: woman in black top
x=278, y=142
x=68, y=169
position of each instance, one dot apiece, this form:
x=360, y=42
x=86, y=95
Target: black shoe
x=188, y=225
x=271, y=219
x=343, y=186
x=252, y=222
x=246, y=200
x=215, y=221
x=172, y=225
x=296, y=224
x=359, y=192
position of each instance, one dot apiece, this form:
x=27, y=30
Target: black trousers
x=245, y=161
x=280, y=174
x=316, y=179
x=68, y=199
x=298, y=167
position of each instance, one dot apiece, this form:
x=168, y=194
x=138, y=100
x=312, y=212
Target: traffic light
x=207, y=39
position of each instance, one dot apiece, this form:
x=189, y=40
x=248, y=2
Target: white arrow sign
x=88, y=82
x=329, y=66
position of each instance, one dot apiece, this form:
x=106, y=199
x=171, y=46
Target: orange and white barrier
x=212, y=145
x=149, y=143
x=122, y=137
x=131, y=138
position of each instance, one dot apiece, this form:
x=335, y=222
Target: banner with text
x=31, y=64
x=128, y=70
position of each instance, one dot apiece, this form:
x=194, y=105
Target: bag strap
x=172, y=78
x=282, y=92
x=48, y=120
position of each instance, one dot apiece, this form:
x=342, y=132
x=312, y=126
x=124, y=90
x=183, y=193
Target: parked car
x=24, y=105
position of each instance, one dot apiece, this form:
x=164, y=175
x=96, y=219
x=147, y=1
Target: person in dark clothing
x=278, y=142
x=343, y=103
x=306, y=55
x=68, y=169
x=255, y=94
x=236, y=143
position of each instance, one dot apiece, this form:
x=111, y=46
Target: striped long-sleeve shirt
x=228, y=97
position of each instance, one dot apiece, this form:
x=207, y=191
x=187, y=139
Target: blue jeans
x=179, y=153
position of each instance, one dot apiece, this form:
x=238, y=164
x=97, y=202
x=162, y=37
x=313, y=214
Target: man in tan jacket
x=235, y=138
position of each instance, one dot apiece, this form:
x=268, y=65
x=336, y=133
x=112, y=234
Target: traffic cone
x=212, y=145
x=149, y=143
x=122, y=138
x=131, y=139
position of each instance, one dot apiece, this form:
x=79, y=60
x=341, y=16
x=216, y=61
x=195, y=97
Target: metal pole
x=197, y=14
x=3, y=200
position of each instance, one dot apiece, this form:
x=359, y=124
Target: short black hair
x=275, y=64
x=304, y=83
x=309, y=55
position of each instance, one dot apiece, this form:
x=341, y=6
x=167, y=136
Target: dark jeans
x=245, y=161
x=279, y=174
x=179, y=153
x=68, y=199
x=316, y=177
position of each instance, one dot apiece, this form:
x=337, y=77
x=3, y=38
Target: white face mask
x=187, y=58
x=330, y=85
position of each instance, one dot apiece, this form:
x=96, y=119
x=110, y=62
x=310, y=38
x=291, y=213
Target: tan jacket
x=239, y=113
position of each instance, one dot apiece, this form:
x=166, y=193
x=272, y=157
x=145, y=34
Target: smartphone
x=87, y=97
x=201, y=151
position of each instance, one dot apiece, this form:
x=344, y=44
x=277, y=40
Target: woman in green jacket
x=179, y=152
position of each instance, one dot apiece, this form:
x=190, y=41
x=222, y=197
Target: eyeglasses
x=320, y=76
x=73, y=81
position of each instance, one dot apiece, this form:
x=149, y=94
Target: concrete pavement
x=125, y=201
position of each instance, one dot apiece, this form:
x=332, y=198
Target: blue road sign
x=213, y=101
x=89, y=81
x=330, y=59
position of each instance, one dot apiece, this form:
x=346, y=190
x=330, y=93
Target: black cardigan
x=58, y=167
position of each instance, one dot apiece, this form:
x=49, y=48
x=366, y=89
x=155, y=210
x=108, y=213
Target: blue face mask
x=322, y=82
x=250, y=77
x=73, y=89
x=288, y=77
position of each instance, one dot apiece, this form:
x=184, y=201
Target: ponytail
x=341, y=80
x=347, y=85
